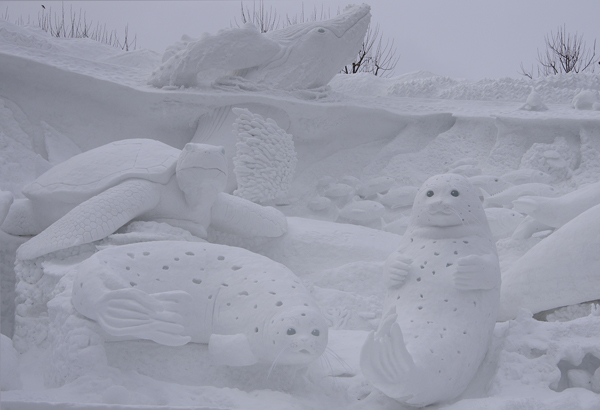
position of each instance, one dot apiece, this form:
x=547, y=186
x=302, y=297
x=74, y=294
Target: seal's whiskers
x=274, y=364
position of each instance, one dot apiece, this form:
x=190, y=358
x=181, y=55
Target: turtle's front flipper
x=94, y=219
x=244, y=218
x=6, y=200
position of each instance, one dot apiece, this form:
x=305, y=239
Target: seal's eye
x=291, y=331
x=321, y=30
x=454, y=192
x=315, y=332
x=430, y=193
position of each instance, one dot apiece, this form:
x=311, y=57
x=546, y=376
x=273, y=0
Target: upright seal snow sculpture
x=300, y=56
x=91, y=195
x=442, y=301
x=248, y=308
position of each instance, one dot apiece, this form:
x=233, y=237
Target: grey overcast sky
x=471, y=39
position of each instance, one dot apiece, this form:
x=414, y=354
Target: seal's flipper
x=231, y=350
x=133, y=313
x=476, y=272
x=384, y=359
x=20, y=219
x=94, y=219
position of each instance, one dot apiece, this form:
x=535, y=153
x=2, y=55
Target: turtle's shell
x=87, y=174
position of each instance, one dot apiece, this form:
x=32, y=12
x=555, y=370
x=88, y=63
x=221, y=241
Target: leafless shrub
x=265, y=20
x=76, y=25
x=374, y=57
x=565, y=53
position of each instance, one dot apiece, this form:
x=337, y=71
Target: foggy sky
x=471, y=39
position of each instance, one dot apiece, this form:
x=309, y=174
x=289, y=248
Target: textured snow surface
x=362, y=145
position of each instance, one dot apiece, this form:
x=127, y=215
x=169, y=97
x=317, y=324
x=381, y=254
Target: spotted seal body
x=248, y=308
x=442, y=301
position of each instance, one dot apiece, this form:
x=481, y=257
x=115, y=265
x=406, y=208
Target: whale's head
x=313, y=53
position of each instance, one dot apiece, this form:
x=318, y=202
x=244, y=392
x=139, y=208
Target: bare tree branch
x=564, y=53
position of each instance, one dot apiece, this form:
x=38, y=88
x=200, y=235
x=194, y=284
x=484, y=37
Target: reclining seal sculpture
x=91, y=195
x=300, y=56
x=248, y=308
x=442, y=300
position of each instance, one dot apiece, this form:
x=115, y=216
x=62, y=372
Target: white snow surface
x=59, y=97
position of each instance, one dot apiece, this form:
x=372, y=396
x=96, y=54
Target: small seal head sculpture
x=442, y=300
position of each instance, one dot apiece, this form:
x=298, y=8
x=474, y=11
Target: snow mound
x=556, y=89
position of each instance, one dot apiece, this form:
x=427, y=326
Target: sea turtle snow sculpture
x=93, y=194
x=300, y=56
x=442, y=300
x=248, y=308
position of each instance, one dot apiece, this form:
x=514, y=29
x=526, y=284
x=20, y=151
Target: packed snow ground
x=59, y=97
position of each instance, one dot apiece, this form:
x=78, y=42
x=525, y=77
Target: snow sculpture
x=527, y=175
x=365, y=213
x=534, y=102
x=323, y=209
x=503, y=221
x=265, y=160
x=91, y=195
x=506, y=197
x=560, y=270
x=442, y=300
x=490, y=183
x=466, y=170
x=300, y=56
x=9, y=365
x=339, y=193
x=557, y=159
x=369, y=189
x=6, y=200
x=585, y=100
x=248, y=308
x=555, y=212
x=399, y=197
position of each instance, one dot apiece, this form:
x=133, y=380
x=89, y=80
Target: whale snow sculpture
x=300, y=56
x=248, y=308
x=561, y=270
x=555, y=212
x=91, y=195
x=442, y=300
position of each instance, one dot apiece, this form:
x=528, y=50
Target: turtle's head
x=201, y=171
